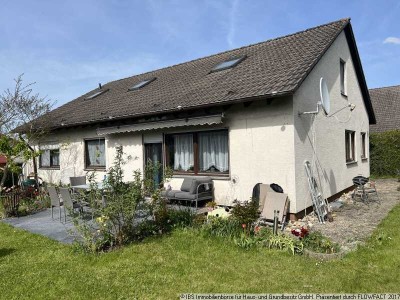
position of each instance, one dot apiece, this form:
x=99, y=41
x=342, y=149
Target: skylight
x=228, y=64
x=141, y=84
x=96, y=94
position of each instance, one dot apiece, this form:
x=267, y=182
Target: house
x=235, y=116
x=386, y=103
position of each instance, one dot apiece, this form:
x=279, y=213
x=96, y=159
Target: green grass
x=35, y=267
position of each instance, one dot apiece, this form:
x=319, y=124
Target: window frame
x=350, y=137
x=343, y=78
x=86, y=153
x=363, y=140
x=196, y=166
x=237, y=59
x=51, y=165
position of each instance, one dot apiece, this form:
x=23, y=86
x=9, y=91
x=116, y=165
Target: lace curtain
x=213, y=151
x=96, y=153
x=183, y=156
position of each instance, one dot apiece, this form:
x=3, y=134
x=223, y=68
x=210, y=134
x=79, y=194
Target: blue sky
x=68, y=47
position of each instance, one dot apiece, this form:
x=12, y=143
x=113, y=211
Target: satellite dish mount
x=324, y=102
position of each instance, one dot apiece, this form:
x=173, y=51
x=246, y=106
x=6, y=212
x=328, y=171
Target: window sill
x=49, y=168
x=212, y=176
x=100, y=169
x=344, y=95
x=364, y=158
x=351, y=162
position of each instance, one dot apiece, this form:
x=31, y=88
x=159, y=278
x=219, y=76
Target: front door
x=153, y=154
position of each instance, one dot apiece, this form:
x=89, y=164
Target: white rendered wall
x=260, y=149
x=260, y=142
x=336, y=175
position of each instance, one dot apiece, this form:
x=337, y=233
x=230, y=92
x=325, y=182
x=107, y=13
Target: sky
x=68, y=47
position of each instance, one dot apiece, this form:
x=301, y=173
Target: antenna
x=324, y=100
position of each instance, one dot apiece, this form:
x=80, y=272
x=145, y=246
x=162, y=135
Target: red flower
x=257, y=229
x=243, y=226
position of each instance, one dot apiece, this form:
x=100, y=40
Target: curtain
x=55, y=157
x=183, y=152
x=96, y=153
x=45, y=158
x=213, y=151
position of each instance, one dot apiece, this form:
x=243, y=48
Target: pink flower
x=243, y=226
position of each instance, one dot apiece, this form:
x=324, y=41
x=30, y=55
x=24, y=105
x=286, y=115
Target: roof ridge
x=347, y=20
x=385, y=87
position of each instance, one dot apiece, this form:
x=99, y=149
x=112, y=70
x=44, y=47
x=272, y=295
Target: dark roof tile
x=277, y=66
x=386, y=104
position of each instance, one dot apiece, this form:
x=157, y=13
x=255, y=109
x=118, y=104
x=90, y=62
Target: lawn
x=32, y=266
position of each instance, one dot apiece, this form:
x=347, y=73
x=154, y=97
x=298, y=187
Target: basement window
x=96, y=94
x=228, y=64
x=141, y=84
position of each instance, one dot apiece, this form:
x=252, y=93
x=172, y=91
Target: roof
x=273, y=68
x=386, y=103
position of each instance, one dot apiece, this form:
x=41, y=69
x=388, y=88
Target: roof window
x=141, y=84
x=96, y=94
x=228, y=64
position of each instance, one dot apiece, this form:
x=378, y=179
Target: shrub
x=245, y=212
x=317, y=242
x=133, y=210
x=222, y=227
x=284, y=242
x=385, y=153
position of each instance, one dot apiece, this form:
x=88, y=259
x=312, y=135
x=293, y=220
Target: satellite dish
x=325, y=100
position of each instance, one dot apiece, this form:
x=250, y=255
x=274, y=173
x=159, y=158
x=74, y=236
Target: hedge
x=385, y=153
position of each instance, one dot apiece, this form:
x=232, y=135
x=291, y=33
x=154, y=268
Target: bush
x=317, y=242
x=385, y=153
x=245, y=212
x=222, y=227
x=134, y=210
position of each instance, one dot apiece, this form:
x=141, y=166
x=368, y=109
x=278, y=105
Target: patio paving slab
x=42, y=223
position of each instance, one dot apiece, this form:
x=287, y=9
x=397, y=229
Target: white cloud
x=232, y=22
x=392, y=40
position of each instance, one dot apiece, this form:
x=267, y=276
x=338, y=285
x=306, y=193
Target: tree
x=23, y=122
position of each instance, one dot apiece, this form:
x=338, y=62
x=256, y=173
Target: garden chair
x=79, y=180
x=271, y=201
x=54, y=200
x=68, y=203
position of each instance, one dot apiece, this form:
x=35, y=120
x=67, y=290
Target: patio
x=42, y=223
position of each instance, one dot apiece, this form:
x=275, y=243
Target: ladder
x=319, y=203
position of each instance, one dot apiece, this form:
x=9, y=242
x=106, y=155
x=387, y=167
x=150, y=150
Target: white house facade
x=257, y=138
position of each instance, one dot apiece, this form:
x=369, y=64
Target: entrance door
x=153, y=153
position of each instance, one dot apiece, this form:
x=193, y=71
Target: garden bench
x=193, y=190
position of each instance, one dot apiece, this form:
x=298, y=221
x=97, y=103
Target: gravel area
x=355, y=221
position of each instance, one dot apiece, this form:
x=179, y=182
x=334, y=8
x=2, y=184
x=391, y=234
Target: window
x=228, y=64
x=199, y=152
x=350, y=137
x=95, y=154
x=363, y=145
x=141, y=84
x=342, y=77
x=49, y=159
x=96, y=94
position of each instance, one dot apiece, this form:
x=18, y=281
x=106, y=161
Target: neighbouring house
x=386, y=104
x=233, y=115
